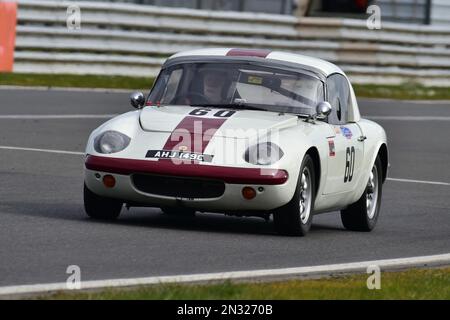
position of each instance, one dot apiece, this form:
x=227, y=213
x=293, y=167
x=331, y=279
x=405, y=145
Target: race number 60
x=212, y=113
x=349, y=164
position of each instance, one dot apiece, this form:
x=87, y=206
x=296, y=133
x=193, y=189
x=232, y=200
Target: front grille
x=178, y=186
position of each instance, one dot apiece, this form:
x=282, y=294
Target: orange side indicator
x=248, y=193
x=109, y=181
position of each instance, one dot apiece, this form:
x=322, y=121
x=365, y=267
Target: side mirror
x=137, y=100
x=323, y=109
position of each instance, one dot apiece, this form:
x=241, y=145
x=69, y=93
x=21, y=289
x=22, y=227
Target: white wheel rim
x=372, y=193
x=305, y=195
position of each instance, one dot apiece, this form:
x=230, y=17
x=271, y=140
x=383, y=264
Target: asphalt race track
x=43, y=227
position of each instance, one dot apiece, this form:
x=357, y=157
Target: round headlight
x=263, y=153
x=111, y=142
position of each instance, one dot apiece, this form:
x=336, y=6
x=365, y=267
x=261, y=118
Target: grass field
x=405, y=91
x=412, y=284
x=77, y=81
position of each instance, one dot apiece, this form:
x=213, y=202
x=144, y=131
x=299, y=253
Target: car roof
x=321, y=68
x=324, y=67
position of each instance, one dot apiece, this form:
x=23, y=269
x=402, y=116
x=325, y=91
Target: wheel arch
x=314, y=154
x=384, y=157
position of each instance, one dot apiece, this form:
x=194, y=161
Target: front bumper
x=274, y=189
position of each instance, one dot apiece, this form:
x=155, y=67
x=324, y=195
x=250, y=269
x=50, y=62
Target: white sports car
x=243, y=132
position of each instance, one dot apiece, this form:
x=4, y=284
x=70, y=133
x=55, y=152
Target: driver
x=213, y=85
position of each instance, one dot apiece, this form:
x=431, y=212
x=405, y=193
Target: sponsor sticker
x=346, y=132
x=331, y=148
x=255, y=80
x=172, y=154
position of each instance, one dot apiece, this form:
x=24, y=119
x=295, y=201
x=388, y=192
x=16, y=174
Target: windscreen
x=237, y=85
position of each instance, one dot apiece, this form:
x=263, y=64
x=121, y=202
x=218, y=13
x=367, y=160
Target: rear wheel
x=178, y=211
x=363, y=214
x=295, y=218
x=101, y=208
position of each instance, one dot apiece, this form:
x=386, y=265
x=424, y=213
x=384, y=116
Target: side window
x=172, y=85
x=338, y=96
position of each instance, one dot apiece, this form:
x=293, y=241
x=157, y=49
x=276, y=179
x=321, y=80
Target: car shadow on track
x=201, y=223
x=154, y=218
x=209, y=222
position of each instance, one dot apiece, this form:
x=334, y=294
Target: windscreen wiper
x=241, y=106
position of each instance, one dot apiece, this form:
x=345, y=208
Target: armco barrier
x=127, y=39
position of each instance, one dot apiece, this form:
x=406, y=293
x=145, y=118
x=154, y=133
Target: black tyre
x=101, y=208
x=178, y=211
x=363, y=214
x=295, y=218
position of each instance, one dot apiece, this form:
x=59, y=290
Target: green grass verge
x=78, y=81
x=407, y=91
x=412, y=284
x=404, y=91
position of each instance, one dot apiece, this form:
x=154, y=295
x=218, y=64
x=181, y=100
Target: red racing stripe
x=260, y=53
x=193, y=133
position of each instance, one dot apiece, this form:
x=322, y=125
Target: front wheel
x=295, y=218
x=363, y=214
x=101, y=208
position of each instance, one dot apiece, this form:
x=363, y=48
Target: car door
x=345, y=160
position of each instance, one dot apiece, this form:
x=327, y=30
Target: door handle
x=362, y=138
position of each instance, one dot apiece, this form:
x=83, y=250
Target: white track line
x=408, y=118
x=323, y=270
x=68, y=89
x=108, y=116
x=82, y=153
x=41, y=150
x=420, y=181
x=55, y=116
x=302, y=271
x=395, y=104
